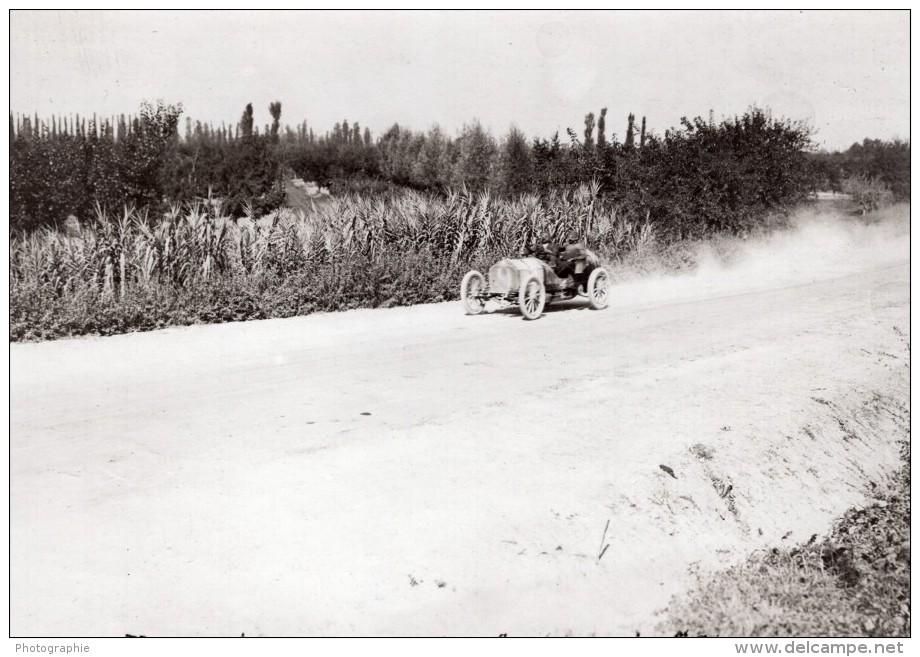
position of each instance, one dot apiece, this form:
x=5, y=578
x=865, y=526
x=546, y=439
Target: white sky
x=846, y=72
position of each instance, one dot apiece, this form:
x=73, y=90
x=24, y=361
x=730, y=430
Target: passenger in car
x=545, y=249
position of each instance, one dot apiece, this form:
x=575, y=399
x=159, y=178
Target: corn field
x=113, y=254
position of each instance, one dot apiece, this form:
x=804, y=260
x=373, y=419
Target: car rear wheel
x=598, y=288
x=472, y=286
x=532, y=298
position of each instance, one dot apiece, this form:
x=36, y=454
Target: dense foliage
x=699, y=178
x=63, y=168
x=703, y=177
x=128, y=272
x=66, y=168
x=886, y=164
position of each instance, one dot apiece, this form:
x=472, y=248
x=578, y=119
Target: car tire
x=471, y=287
x=532, y=298
x=598, y=288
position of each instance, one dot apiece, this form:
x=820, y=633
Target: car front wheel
x=598, y=288
x=532, y=298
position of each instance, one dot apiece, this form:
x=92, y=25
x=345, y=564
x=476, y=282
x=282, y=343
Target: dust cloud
x=820, y=243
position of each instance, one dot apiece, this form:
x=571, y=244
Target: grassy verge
x=37, y=312
x=40, y=312
x=856, y=582
x=58, y=287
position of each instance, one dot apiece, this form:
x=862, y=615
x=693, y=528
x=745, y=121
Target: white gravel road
x=415, y=471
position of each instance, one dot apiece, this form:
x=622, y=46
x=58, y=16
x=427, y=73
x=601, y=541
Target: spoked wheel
x=472, y=286
x=532, y=298
x=598, y=288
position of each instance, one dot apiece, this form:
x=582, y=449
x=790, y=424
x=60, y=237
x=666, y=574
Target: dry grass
x=87, y=278
x=856, y=582
x=113, y=253
x=114, y=272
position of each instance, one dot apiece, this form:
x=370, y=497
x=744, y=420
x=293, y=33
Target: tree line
x=873, y=160
x=700, y=176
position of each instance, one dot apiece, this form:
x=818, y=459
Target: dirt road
x=415, y=471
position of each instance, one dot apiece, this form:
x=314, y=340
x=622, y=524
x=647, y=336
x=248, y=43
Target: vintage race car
x=531, y=283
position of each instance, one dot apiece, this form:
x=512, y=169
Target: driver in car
x=572, y=252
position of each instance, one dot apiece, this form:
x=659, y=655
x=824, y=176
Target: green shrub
x=867, y=193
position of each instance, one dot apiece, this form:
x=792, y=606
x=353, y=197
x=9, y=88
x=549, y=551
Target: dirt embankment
x=417, y=471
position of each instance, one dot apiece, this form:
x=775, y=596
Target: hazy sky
x=846, y=72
